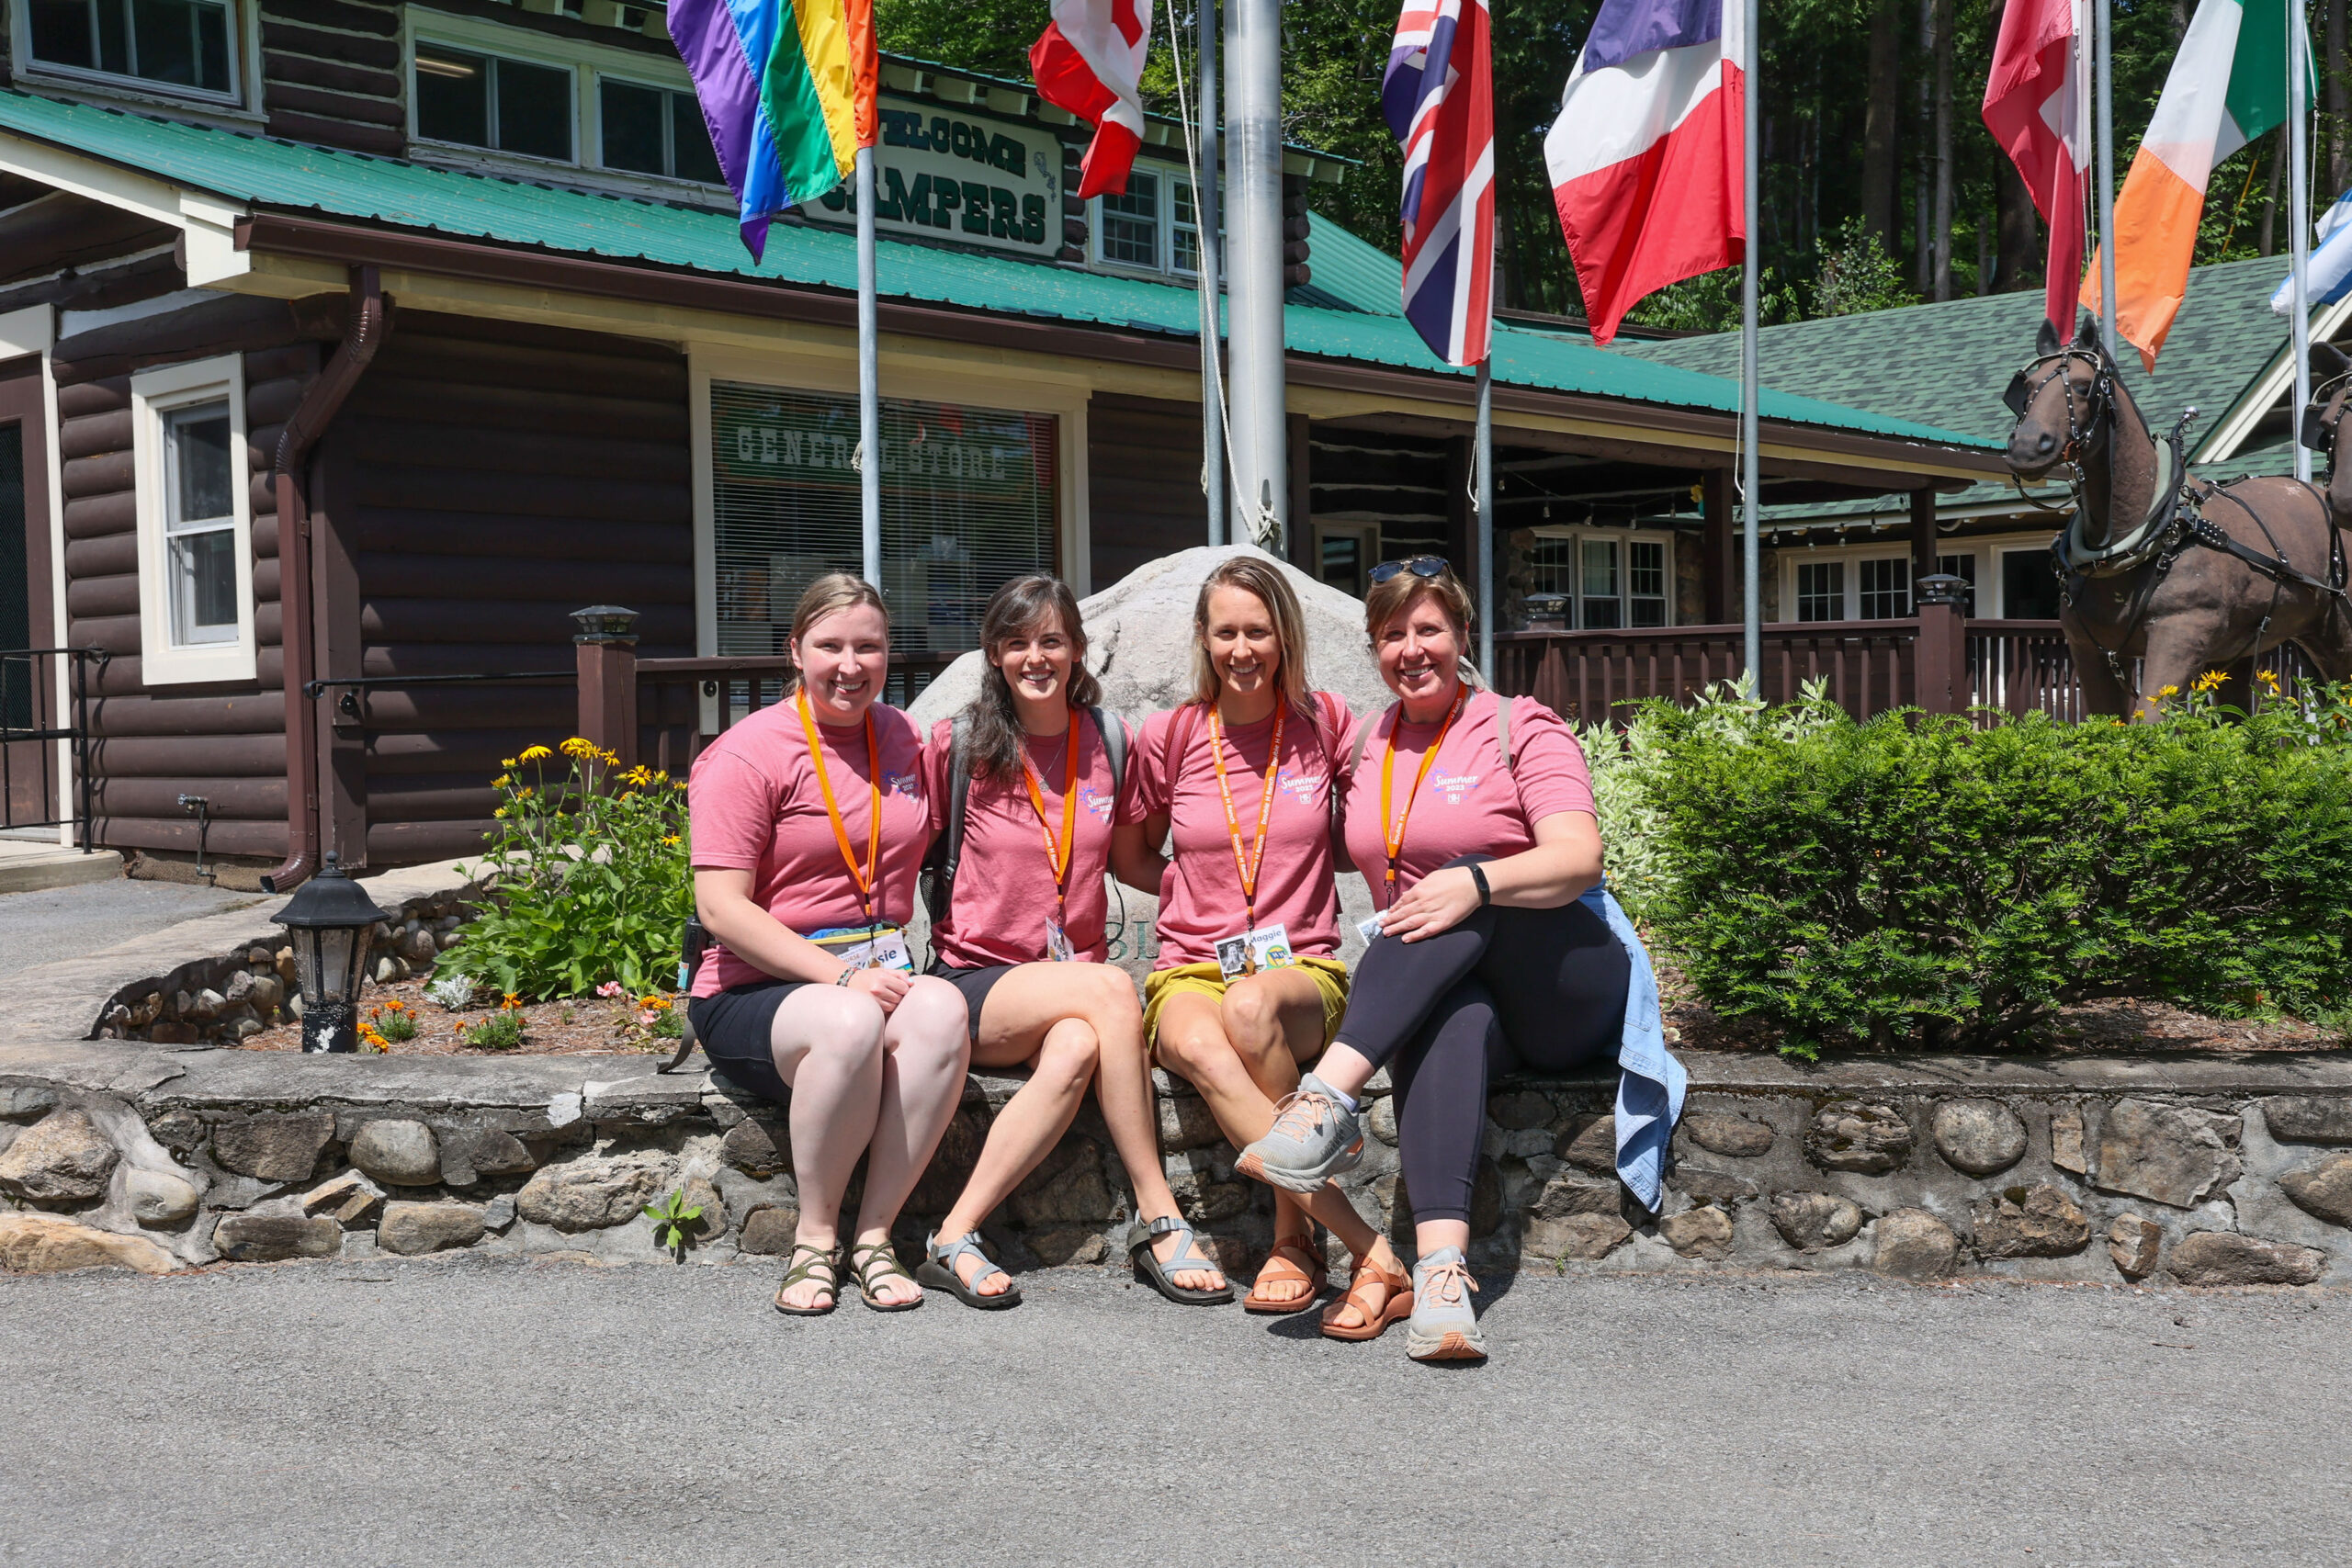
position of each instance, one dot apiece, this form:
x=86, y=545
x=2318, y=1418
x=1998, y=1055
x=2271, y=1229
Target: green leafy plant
x=1952, y=880
x=394, y=1020
x=672, y=1217
x=500, y=1031
x=589, y=878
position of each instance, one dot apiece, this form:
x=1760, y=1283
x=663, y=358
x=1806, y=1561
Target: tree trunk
x=1879, y=115
x=1923, y=252
x=2270, y=199
x=2020, y=235
x=2333, y=77
x=1943, y=150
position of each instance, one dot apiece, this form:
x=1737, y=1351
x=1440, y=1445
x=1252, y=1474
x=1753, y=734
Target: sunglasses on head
x=1419, y=566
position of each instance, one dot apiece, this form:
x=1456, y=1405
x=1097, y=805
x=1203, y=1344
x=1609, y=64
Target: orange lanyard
x=1246, y=866
x=1057, y=850
x=864, y=879
x=1393, y=838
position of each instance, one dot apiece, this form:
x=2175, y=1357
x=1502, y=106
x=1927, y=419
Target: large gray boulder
x=1139, y=638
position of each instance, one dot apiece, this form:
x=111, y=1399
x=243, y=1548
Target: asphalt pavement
x=492, y=1411
x=62, y=922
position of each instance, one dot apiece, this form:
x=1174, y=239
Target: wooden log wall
x=489, y=479
x=331, y=75
x=1143, y=465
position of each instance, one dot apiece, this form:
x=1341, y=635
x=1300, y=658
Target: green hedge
x=1927, y=882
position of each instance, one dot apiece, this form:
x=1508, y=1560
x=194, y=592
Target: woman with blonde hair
x=808, y=823
x=1248, y=983
x=1472, y=817
x=1019, y=929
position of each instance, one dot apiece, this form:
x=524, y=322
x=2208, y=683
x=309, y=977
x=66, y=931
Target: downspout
x=363, y=334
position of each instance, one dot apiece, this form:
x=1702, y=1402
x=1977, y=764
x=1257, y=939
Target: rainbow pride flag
x=786, y=87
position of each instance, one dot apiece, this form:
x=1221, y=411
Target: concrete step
x=28, y=867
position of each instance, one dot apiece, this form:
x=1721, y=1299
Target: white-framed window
x=484, y=94
x=1152, y=226
x=192, y=482
x=181, y=48
x=1610, y=578
x=1865, y=583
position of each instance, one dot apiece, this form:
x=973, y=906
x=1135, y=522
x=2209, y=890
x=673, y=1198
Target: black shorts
x=736, y=1030
x=975, y=984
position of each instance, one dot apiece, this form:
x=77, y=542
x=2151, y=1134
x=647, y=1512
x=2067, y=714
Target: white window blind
x=969, y=500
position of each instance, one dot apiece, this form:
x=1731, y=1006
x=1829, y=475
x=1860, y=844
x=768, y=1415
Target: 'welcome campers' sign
x=954, y=176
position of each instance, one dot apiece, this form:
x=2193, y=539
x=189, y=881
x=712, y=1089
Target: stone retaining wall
x=2207, y=1171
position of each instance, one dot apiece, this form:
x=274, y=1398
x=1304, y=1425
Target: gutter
x=363, y=333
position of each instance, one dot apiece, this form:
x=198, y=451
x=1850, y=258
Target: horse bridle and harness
x=2175, y=518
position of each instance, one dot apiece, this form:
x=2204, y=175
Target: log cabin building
x=360, y=342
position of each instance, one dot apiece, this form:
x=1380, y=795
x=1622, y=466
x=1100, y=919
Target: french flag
x=1438, y=98
x=1090, y=61
x=1645, y=156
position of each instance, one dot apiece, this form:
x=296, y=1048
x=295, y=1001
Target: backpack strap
x=947, y=852
x=1502, y=728
x=1114, y=746
x=693, y=940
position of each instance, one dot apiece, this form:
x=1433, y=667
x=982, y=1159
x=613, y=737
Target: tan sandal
x=1395, y=1307
x=1294, y=1261
x=806, y=1262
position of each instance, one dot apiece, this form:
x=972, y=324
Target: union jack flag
x=1439, y=97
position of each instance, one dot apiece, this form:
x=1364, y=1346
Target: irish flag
x=2228, y=86
x=786, y=87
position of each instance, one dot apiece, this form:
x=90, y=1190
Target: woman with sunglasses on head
x=1471, y=815
x=1022, y=933
x=1249, y=984
x=808, y=822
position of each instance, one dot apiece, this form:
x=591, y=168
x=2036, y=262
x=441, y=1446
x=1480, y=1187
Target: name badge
x=1254, y=951
x=1058, y=947
x=1369, y=930
x=884, y=947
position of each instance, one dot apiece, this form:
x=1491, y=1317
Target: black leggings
x=1505, y=989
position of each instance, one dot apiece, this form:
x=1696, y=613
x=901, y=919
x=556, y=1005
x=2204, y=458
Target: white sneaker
x=1445, y=1325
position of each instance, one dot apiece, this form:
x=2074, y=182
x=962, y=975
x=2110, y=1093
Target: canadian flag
x=1089, y=62
x=2037, y=105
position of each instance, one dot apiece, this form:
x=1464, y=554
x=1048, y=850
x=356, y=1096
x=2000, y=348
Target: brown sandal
x=1396, y=1307
x=1294, y=1261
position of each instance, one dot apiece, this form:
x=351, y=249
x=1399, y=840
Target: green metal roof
x=266, y=172
x=1946, y=364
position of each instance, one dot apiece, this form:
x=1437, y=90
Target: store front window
x=969, y=500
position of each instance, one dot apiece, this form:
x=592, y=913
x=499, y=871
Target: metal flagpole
x=869, y=381
x=1254, y=270
x=2103, y=44
x=1204, y=212
x=1482, y=512
x=1750, y=470
x=2299, y=223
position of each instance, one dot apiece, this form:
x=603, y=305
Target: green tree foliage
x=1812, y=90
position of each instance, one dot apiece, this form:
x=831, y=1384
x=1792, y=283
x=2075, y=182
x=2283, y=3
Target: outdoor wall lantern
x=329, y=917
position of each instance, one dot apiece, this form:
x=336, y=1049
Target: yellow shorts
x=1206, y=980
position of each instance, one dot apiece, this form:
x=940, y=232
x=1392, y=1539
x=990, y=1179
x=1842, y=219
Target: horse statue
x=2330, y=389
x=2161, y=566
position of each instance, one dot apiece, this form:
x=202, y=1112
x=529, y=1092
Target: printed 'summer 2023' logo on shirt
x=1096, y=801
x=1306, y=788
x=903, y=783
x=1453, y=788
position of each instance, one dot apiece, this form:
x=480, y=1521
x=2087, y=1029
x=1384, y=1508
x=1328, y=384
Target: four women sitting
x=1470, y=816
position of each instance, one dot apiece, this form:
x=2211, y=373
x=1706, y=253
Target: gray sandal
x=1162, y=1277
x=938, y=1271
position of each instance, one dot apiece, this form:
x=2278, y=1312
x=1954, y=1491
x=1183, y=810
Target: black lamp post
x=329, y=917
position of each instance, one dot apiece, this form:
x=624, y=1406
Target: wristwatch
x=1485, y=894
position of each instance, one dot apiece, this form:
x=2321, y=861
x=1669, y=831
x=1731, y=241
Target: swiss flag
x=2037, y=105
x=1089, y=62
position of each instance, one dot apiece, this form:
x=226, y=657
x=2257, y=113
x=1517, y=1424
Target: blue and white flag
x=2330, y=278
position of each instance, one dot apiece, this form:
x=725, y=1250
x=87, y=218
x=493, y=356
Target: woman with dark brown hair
x=1021, y=933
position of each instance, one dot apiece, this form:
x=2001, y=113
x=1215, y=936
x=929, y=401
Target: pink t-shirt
x=1467, y=803
x=1005, y=885
x=1200, y=899
x=755, y=806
